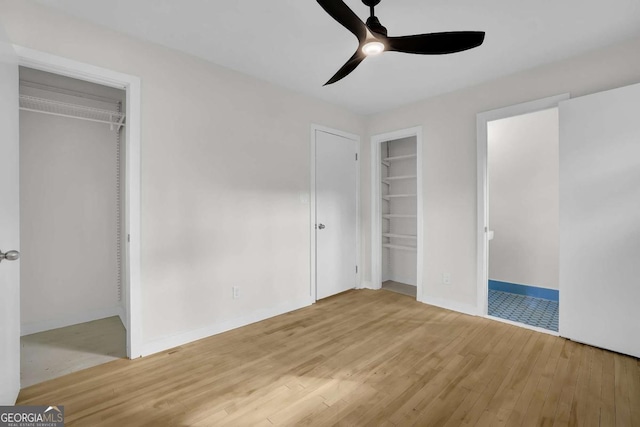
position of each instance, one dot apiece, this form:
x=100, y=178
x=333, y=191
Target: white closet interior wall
x=71, y=204
x=399, y=208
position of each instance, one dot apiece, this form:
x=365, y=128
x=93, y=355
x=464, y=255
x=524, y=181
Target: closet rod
x=75, y=117
x=73, y=111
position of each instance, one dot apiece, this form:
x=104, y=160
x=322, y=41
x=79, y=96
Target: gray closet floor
x=52, y=354
x=400, y=288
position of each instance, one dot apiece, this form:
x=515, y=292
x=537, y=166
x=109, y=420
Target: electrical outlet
x=235, y=291
x=446, y=278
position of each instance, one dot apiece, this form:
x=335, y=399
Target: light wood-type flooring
x=52, y=354
x=362, y=358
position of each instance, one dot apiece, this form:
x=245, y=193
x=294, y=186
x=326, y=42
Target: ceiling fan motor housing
x=374, y=25
x=373, y=22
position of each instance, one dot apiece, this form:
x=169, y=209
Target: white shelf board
x=400, y=236
x=397, y=196
x=400, y=247
x=65, y=109
x=394, y=158
x=398, y=178
x=398, y=216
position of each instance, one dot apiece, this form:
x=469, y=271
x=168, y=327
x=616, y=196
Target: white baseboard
x=451, y=305
x=163, y=344
x=71, y=319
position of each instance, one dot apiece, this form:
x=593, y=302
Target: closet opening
x=397, y=212
x=399, y=226
x=73, y=234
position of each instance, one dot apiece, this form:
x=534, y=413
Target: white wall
x=225, y=158
x=449, y=157
x=523, y=199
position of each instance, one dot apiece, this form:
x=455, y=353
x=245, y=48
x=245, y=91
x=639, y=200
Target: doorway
x=12, y=56
x=334, y=212
x=130, y=170
x=396, y=212
x=71, y=148
x=518, y=222
x=522, y=167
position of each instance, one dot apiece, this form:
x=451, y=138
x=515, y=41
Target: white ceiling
x=294, y=43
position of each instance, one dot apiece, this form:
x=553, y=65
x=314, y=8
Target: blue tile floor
x=521, y=308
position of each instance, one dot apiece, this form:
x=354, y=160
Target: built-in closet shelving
x=400, y=247
x=399, y=206
x=66, y=109
x=400, y=236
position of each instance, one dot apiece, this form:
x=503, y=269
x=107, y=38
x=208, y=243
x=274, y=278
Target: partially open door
x=599, y=221
x=9, y=225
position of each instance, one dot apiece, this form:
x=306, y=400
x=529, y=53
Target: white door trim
x=312, y=204
x=376, y=226
x=131, y=84
x=482, y=190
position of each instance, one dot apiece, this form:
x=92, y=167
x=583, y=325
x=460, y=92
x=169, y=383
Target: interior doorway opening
x=396, y=201
x=72, y=145
x=523, y=207
x=399, y=216
x=485, y=233
x=43, y=61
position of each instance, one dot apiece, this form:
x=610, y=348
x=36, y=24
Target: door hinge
x=128, y=237
x=356, y=269
x=356, y=157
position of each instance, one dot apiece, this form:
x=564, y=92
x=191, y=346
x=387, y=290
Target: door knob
x=321, y=226
x=9, y=255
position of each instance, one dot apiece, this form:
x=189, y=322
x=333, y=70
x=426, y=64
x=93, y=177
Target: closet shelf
x=394, y=158
x=64, y=109
x=398, y=178
x=400, y=247
x=387, y=216
x=394, y=196
x=400, y=236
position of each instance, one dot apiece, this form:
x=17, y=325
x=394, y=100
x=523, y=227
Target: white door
x=9, y=225
x=335, y=214
x=599, y=219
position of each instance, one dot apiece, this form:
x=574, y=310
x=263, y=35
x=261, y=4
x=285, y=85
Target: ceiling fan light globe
x=373, y=48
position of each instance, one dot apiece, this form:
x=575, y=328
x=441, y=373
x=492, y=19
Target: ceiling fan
x=373, y=39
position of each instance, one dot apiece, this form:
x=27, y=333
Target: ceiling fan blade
x=345, y=16
x=347, y=68
x=436, y=43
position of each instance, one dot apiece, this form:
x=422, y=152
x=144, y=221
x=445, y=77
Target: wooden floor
x=362, y=358
x=58, y=352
